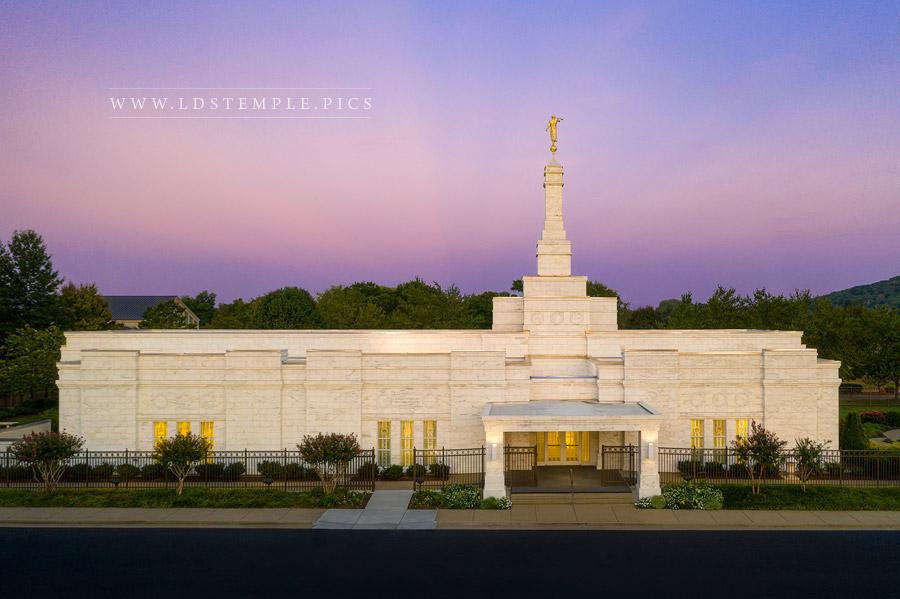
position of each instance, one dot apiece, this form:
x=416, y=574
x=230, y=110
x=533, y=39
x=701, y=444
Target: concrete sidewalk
x=386, y=509
x=536, y=516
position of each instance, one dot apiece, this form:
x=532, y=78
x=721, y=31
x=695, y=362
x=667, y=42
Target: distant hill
x=872, y=295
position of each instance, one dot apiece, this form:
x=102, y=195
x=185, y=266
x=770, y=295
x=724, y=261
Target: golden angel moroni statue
x=551, y=127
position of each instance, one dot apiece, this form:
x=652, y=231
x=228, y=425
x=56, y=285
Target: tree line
x=36, y=306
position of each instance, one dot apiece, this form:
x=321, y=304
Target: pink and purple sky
x=735, y=143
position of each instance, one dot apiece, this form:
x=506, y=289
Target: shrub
x=294, y=471
x=270, y=469
x=852, y=435
x=892, y=418
x=48, y=453
x=875, y=416
x=368, y=471
x=16, y=473
x=738, y=471
x=496, y=503
x=716, y=469
x=153, y=472
x=212, y=471
x=128, y=472
x=331, y=454
x=657, y=502
x=80, y=472
x=416, y=471
x=439, y=470
x=392, y=472
x=694, y=495
x=834, y=468
x=461, y=497
x=233, y=471
x=101, y=472
x=690, y=467
x=180, y=454
x=426, y=499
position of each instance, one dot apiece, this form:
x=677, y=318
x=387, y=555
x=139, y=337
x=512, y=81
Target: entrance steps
x=568, y=498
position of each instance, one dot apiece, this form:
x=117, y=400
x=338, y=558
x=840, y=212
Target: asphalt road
x=81, y=562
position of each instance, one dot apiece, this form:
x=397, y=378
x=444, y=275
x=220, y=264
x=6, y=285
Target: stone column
x=494, y=471
x=648, y=477
x=554, y=251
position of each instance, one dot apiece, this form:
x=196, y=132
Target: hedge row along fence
x=283, y=469
x=858, y=468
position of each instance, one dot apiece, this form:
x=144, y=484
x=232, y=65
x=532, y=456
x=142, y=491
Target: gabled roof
x=132, y=307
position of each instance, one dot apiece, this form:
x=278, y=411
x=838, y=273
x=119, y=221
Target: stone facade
x=266, y=389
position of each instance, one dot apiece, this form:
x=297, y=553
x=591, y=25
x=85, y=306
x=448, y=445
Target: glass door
x=563, y=447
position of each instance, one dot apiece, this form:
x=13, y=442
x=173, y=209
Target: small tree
x=180, y=454
x=331, y=454
x=760, y=451
x=853, y=436
x=48, y=454
x=809, y=458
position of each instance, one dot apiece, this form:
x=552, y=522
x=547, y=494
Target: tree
x=880, y=353
x=83, y=309
x=349, y=308
x=760, y=451
x=167, y=315
x=330, y=454
x=48, y=453
x=180, y=454
x=28, y=368
x=478, y=309
x=286, y=308
x=236, y=315
x=852, y=435
x=203, y=305
x=28, y=284
x=809, y=458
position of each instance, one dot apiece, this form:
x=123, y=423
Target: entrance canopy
x=570, y=416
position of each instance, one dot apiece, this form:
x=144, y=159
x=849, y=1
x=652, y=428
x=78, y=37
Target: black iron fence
x=619, y=464
x=520, y=465
x=436, y=468
x=283, y=469
x=866, y=468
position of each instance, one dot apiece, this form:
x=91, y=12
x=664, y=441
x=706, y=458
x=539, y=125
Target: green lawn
x=166, y=498
x=877, y=406
x=816, y=497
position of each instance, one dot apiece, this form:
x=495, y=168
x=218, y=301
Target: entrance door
x=557, y=448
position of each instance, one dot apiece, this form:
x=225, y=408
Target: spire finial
x=551, y=127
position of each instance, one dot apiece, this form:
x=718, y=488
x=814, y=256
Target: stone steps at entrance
x=567, y=498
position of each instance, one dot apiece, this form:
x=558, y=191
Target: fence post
x=6, y=470
x=246, y=467
x=482, y=467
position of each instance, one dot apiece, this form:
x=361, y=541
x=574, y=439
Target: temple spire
x=554, y=251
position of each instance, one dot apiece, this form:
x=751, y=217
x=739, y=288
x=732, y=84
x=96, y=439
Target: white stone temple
x=555, y=372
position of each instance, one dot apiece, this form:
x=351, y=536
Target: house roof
x=132, y=307
x=567, y=409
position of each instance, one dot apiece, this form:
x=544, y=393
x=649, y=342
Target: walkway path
x=386, y=509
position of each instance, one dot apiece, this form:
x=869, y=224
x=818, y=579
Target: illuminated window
x=430, y=438
x=553, y=449
x=541, y=446
x=160, y=431
x=208, y=432
x=384, y=443
x=571, y=446
x=697, y=433
x=740, y=428
x=585, y=447
x=406, y=442
x=719, y=434
x=184, y=428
